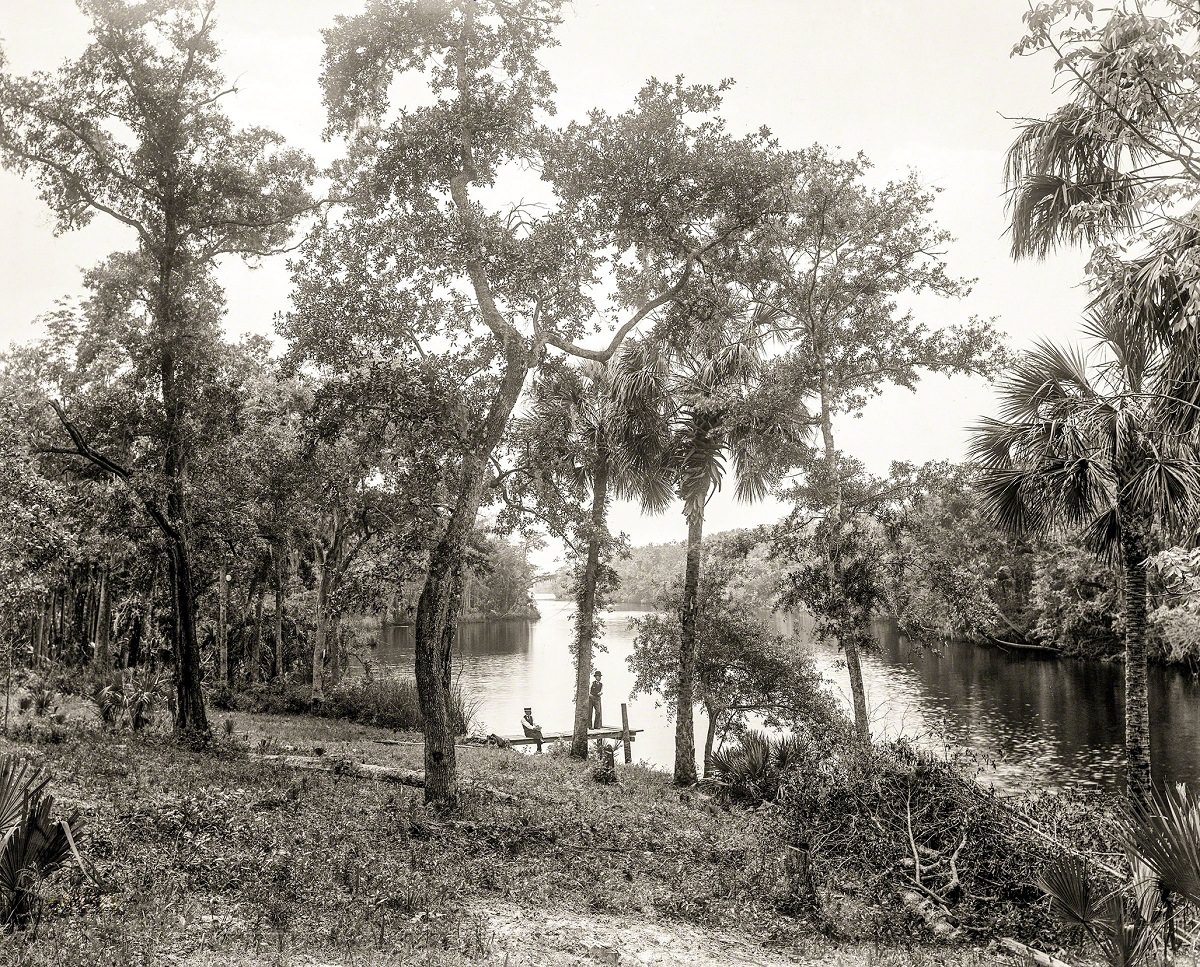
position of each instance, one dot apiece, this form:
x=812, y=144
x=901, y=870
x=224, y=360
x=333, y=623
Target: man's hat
x=596, y=673
x=528, y=710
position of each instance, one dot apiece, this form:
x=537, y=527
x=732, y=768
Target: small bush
x=390, y=702
x=751, y=771
x=130, y=698
x=605, y=769
x=45, y=702
x=33, y=847
x=276, y=698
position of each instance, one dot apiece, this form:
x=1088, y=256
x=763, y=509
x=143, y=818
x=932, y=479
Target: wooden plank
x=1031, y=955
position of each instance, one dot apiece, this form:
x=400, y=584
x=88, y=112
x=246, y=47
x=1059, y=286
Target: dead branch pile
x=912, y=841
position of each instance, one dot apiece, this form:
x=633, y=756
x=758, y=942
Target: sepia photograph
x=634, y=483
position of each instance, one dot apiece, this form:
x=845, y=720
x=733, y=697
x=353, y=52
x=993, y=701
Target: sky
x=921, y=84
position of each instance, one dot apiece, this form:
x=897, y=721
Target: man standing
x=532, y=729
x=597, y=715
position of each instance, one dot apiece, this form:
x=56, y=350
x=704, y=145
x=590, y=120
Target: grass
x=221, y=857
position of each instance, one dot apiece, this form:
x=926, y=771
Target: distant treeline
x=1045, y=592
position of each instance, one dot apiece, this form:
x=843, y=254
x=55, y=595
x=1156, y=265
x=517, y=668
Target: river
x=1035, y=722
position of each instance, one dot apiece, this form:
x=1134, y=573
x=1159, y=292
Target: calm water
x=1037, y=722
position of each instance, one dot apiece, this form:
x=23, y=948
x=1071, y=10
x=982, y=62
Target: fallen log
x=1030, y=954
x=346, y=767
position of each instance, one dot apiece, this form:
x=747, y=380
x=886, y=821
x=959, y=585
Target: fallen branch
x=1030, y=954
x=912, y=842
x=343, y=767
x=1071, y=850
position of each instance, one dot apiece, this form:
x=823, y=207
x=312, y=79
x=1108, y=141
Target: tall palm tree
x=1117, y=162
x=1121, y=150
x=1081, y=443
x=601, y=443
x=712, y=385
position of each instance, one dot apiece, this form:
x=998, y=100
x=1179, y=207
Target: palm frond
x=1073, y=897
x=20, y=781
x=1065, y=183
x=1169, y=486
x=1102, y=535
x=1016, y=500
x=1165, y=833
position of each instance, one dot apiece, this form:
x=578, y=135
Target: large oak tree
x=429, y=262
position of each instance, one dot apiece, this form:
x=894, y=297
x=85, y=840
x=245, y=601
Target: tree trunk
x=256, y=641
x=585, y=617
x=849, y=644
x=858, y=692
x=433, y=611
x=223, y=626
x=191, y=720
x=1137, y=697
x=318, y=656
x=279, y=560
x=335, y=649
x=103, y=624
x=710, y=737
x=685, y=736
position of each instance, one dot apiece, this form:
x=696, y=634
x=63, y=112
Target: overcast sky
x=925, y=84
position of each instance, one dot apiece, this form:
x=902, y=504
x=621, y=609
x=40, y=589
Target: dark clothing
x=532, y=732
x=595, y=705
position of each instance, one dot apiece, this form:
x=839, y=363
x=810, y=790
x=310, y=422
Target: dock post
x=625, y=733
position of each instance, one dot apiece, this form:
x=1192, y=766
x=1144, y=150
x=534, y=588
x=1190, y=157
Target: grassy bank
x=224, y=857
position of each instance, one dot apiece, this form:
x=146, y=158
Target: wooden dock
x=624, y=734
x=547, y=737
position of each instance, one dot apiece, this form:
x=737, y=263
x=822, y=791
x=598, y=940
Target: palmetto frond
x=20, y=781
x=1073, y=897
x=1016, y=500
x=1065, y=182
x=1157, y=298
x=1082, y=438
x=1165, y=834
x=1169, y=486
x=1046, y=381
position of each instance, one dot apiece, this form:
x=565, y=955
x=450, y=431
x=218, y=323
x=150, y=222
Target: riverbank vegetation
x=464, y=370
x=252, y=859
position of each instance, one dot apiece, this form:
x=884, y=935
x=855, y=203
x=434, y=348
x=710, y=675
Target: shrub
x=390, y=702
x=33, y=847
x=751, y=771
x=130, y=698
x=605, y=769
x=1138, y=922
x=285, y=697
x=44, y=702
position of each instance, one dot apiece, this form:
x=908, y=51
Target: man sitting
x=532, y=729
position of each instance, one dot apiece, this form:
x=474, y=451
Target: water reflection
x=1039, y=722
x=1047, y=723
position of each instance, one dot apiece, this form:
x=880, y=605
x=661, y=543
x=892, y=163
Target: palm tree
x=601, y=443
x=1082, y=443
x=1117, y=162
x=1121, y=150
x=711, y=385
